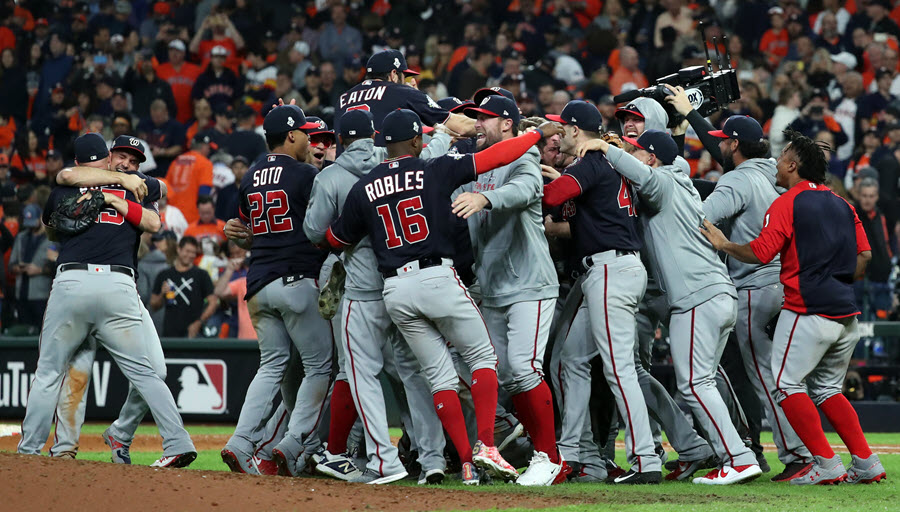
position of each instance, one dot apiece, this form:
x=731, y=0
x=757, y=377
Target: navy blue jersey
x=109, y=241
x=403, y=205
x=605, y=216
x=464, y=146
x=273, y=195
x=381, y=98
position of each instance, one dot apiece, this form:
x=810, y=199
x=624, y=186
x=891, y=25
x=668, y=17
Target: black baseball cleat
x=632, y=477
x=792, y=470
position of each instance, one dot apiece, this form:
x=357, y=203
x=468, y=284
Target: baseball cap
x=58, y=88
x=358, y=124
x=240, y=158
x=776, y=10
x=845, y=58
x=54, y=154
x=31, y=216
x=301, y=47
x=162, y=8
x=206, y=137
x=41, y=22
x=129, y=143
x=741, y=128
x=90, y=147
x=177, y=44
x=658, y=143
x=882, y=72
x=400, y=125
x=630, y=108
x=581, y=114
x=319, y=126
x=495, y=106
x=387, y=60
x=454, y=104
x=219, y=51
x=481, y=94
x=286, y=118
x=123, y=7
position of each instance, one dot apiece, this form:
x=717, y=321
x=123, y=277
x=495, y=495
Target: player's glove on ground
x=72, y=217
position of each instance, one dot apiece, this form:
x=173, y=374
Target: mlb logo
x=199, y=385
x=393, y=165
x=271, y=158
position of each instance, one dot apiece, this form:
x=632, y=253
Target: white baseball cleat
x=729, y=475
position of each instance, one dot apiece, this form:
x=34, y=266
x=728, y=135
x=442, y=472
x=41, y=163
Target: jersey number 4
x=270, y=215
x=625, y=198
x=414, y=225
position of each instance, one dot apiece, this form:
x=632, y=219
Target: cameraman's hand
x=681, y=129
x=679, y=100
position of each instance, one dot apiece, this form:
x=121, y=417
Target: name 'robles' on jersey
x=391, y=184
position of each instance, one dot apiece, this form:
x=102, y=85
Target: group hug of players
x=393, y=226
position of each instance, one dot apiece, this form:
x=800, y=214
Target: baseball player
x=606, y=238
x=402, y=205
x=367, y=336
x=823, y=248
x=384, y=90
x=517, y=279
x=126, y=154
x=282, y=293
x=702, y=299
x=94, y=292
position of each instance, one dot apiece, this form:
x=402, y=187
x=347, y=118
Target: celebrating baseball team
x=416, y=263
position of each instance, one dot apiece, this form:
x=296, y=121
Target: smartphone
x=817, y=110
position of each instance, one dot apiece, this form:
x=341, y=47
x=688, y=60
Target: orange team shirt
x=182, y=82
x=622, y=76
x=8, y=132
x=212, y=230
x=774, y=45
x=187, y=174
x=232, y=62
x=238, y=288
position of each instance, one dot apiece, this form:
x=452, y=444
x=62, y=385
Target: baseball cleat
x=488, y=458
x=730, y=475
x=65, y=455
x=372, y=478
x=266, y=467
x=541, y=471
x=590, y=474
x=120, y=454
x=792, y=470
x=432, y=477
x=182, y=460
x=685, y=469
x=763, y=463
x=662, y=454
x=470, y=474
x=239, y=461
x=515, y=434
x=823, y=472
x=632, y=477
x=291, y=457
x=337, y=466
x=613, y=471
x=865, y=471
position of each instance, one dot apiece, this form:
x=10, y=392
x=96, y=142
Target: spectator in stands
x=28, y=261
x=816, y=116
x=244, y=140
x=231, y=288
x=55, y=70
x=186, y=292
x=171, y=217
x=207, y=226
x=873, y=294
x=29, y=161
x=154, y=261
x=314, y=98
x=191, y=176
x=676, y=15
x=298, y=58
x=165, y=136
x=879, y=22
x=788, y=109
x=13, y=86
x=217, y=30
x=845, y=111
x=121, y=125
x=628, y=76
x=228, y=198
x=54, y=165
x=181, y=77
x=872, y=106
x=474, y=78
x=203, y=118
x=337, y=40
x=284, y=88
x=218, y=84
x=146, y=87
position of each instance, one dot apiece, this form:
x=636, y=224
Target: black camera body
x=708, y=90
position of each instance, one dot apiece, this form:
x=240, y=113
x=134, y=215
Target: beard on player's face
x=487, y=132
x=727, y=156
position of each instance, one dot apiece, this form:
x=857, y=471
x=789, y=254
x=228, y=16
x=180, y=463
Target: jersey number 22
x=270, y=215
x=414, y=225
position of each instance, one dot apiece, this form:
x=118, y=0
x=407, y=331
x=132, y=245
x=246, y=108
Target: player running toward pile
x=823, y=249
x=403, y=206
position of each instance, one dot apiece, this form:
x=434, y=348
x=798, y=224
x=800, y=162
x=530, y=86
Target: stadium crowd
x=193, y=80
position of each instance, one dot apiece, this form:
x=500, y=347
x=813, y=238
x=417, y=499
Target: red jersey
x=818, y=235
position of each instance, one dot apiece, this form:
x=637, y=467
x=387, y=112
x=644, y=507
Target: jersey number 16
x=414, y=225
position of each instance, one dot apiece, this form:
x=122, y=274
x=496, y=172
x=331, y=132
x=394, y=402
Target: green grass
x=669, y=497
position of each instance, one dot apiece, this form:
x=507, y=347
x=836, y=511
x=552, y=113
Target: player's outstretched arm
x=508, y=151
x=461, y=124
x=80, y=176
x=721, y=243
x=142, y=218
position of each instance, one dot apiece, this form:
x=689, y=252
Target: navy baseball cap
x=496, y=106
x=481, y=94
x=31, y=216
x=130, y=144
x=319, y=128
x=454, y=104
x=581, y=114
x=741, y=128
x=286, y=118
x=357, y=124
x=90, y=147
x=400, y=125
x=657, y=142
x=630, y=108
x=387, y=60
x=210, y=137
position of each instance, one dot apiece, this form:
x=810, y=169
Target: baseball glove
x=613, y=139
x=72, y=217
x=330, y=295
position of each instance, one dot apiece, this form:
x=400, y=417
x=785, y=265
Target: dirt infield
x=43, y=483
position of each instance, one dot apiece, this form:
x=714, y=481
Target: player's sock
x=843, y=418
x=343, y=416
x=803, y=416
x=484, y=394
x=449, y=410
x=539, y=406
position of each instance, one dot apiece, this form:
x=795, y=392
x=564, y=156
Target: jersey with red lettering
x=381, y=98
x=818, y=236
x=403, y=204
x=274, y=194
